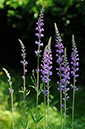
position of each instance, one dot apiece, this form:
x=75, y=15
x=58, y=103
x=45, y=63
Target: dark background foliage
x=18, y=21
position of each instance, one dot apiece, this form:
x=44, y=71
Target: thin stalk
x=44, y=108
x=37, y=87
x=24, y=98
x=12, y=109
x=48, y=105
x=11, y=92
x=65, y=110
x=61, y=97
x=73, y=102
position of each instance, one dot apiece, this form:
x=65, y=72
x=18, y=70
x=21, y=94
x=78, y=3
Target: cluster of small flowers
x=46, y=65
x=46, y=92
x=60, y=53
x=74, y=61
x=23, y=54
x=9, y=80
x=64, y=70
x=66, y=77
x=40, y=29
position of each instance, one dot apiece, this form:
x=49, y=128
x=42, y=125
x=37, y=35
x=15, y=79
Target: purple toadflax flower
x=46, y=65
x=66, y=75
x=46, y=92
x=39, y=33
x=23, y=54
x=74, y=69
x=74, y=61
x=65, y=81
x=59, y=54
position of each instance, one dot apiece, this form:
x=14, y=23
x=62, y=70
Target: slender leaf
x=21, y=124
x=33, y=117
x=21, y=91
x=33, y=87
x=27, y=103
x=40, y=118
x=27, y=93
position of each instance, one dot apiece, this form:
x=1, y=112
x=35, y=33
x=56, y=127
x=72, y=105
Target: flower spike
x=47, y=63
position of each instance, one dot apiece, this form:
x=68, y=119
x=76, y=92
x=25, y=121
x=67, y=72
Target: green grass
x=5, y=104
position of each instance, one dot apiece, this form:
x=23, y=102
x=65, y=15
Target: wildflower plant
x=65, y=82
x=46, y=67
x=39, y=35
x=11, y=92
x=74, y=69
x=60, y=57
x=24, y=90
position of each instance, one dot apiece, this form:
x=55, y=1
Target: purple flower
x=46, y=65
x=23, y=54
x=25, y=70
x=39, y=33
x=74, y=61
x=66, y=75
x=59, y=54
x=38, y=52
x=64, y=114
x=23, y=77
x=37, y=70
x=46, y=92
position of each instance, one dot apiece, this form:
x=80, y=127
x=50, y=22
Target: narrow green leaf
x=41, y=87
x=27, y=93
x=21, y=124
x=40, y=118
x=27, y=102
x=26, y=123
x=39, y=92
x=20, y=91
x=32, y=80
x=33, y=117
x=33, y=87
x=54, y=103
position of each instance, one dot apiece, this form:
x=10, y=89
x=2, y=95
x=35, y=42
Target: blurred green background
x=18, y=21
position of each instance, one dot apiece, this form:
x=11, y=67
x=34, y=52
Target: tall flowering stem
x=65, y=82
x=59, y=55
x=74, y=69
x=24, y=63
x=46, y=67
x=39, y=34
x=11, y=92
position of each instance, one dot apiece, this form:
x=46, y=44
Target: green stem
x=48, y=105
x=12, y=109
x=73, y=102
x=65, y=110
x=37, y=87
x=24, y=98
x=44, y=108
x=61, y=98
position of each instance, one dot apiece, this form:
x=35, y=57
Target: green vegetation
x=5, y=105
